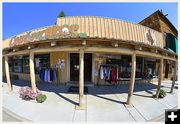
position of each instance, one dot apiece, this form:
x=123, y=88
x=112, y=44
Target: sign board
x=53, y=32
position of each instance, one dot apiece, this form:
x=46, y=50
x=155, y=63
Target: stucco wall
x=62, y=73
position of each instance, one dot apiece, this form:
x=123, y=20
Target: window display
x=18, y=65
x=21, y=64
x=42, y=61
x=145, y=67
x=25, y=65
x=11, y=65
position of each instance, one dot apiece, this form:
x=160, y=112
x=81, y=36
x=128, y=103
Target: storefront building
x=159, y=22
x=102, y=51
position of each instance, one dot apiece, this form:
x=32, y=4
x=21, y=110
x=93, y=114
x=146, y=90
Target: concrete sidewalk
x=104, y=103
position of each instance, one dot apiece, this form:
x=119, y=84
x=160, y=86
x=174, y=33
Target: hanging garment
x=41, y=74
x=37, y=62
x=51, y=75
x=106, y=75
x=48, y=78
x=109, y=74
x=117, y=74
x=45, y=76
x=101, y=73
x=54, y=75
x=113, y=74
x=104, y=72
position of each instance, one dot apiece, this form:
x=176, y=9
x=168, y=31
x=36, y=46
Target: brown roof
x=161, y=15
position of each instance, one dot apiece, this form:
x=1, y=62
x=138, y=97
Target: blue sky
x=21, y=17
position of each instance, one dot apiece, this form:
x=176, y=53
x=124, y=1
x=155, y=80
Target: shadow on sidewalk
x=95, y=90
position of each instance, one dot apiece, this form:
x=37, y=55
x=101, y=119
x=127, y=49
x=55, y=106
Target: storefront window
x=139, y=64
x=151, y=67
x=11, y=65
x=25, y=64
x=41, y=62
x=124, y=64
x=21, y=64
x=18, y=65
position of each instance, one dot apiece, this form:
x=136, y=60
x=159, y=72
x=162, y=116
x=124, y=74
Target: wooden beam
x=160, y=77
x=55, y=49
x=133, y=74
x=32, y=72
x=154, y=55
x=110, y=50
x=88, y=49
x=170, y=58
x=118, y=50
x=7, y=73
x=81, y=81
x=174, y=77
x=17, y=53
x=148, y=54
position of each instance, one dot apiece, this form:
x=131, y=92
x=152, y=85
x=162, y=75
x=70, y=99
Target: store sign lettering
x=54, y=32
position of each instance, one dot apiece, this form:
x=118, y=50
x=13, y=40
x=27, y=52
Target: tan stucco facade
x=63, y=73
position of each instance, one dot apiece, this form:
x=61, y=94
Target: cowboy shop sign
x=53, y=32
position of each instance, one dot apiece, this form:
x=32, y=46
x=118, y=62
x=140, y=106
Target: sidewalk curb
x=14, y=115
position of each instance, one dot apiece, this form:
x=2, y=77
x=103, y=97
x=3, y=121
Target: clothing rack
x=108, y=74
x=48, y=75
x=108, y=65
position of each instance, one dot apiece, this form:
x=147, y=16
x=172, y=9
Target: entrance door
x=74, y=66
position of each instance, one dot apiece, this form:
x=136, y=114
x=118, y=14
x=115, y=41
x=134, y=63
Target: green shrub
x=41, y=98
x=162, y=93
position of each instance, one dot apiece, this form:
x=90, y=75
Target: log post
x=174, y=76
x=7, y=74
x=81, y=81
x=32, y=72
x=132, y=81
x=159, y=78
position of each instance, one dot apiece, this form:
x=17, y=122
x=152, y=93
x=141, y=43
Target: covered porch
x=137, y=51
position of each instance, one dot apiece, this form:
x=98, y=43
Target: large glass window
x=41, y=62
x=18, y=65
x=124, y=64
x=151, y=67
x=11, y=65
x=21, y=64
x=25, y=64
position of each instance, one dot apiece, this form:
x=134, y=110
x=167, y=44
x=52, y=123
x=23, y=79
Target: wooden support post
x=81, y=81
x=133, y=74
x=32, y=72
x=7, y=73
x=174, y=76
x=159, y=77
